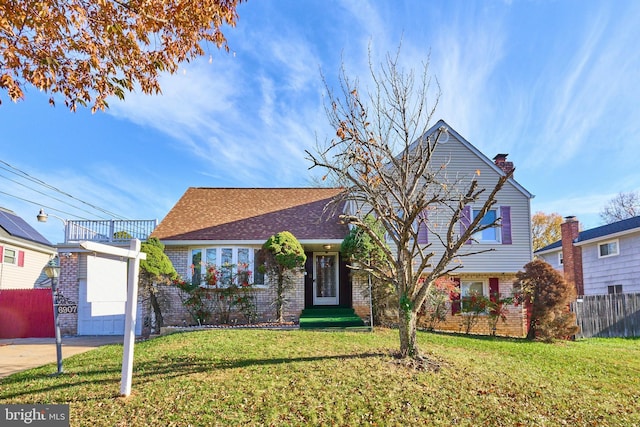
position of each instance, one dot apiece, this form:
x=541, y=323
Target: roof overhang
x=608, y=237
x=480, y=155
x=548, y=251
x=26, y=244
x=244, y=242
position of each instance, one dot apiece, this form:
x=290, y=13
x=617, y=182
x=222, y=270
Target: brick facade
x=68, y=287
x=360, y=299
x=515, y=324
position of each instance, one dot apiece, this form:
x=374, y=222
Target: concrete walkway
x=20, y=354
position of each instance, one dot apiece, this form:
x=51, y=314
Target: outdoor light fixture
x=52, y=270
x=42, y=216
x=327, y=247
x=444, y=130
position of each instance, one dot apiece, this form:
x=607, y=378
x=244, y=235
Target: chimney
x=501, y=161
x=571, y=254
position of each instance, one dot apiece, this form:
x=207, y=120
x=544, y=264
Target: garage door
x=102, y=318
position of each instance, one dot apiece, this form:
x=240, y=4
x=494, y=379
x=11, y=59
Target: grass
x=261, y=377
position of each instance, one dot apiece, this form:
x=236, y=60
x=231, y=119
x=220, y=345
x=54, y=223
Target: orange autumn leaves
x=87, y=51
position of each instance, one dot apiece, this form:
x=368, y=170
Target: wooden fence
x=26, y=313
x=608, y=315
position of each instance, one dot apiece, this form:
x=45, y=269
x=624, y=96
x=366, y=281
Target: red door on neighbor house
x=26, y=313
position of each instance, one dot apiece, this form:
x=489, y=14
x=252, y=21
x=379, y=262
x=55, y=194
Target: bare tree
x=386, y=163
x=622, y=206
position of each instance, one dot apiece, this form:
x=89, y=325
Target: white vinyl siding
x=623, y=269
x=462, y=162
x=14, y=277
x=553, y=259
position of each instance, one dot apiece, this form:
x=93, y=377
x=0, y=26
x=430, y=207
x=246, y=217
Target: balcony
x=108, y=231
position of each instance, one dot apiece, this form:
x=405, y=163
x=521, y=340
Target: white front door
x=325, y=278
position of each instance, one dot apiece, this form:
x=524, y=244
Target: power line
x=42, y=206
x=40, y=182
x=44, y=194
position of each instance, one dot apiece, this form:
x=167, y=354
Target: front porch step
x=330, y=317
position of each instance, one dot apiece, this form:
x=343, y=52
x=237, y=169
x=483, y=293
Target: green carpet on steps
x=330, y=317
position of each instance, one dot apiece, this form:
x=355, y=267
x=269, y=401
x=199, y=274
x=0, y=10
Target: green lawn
x=261, y=377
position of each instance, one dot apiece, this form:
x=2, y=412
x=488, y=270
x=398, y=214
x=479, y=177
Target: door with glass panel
x=325, y=278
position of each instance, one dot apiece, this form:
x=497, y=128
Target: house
x=601, y=260
x=218, y=225
x=92, y=286
x=26, y=307
x=23, y=253
x=505, y=249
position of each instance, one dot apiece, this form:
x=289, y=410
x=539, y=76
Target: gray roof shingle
x=602, y=231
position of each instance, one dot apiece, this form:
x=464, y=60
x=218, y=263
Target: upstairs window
x=10, y=256
x=489, y=235
x=608, y=249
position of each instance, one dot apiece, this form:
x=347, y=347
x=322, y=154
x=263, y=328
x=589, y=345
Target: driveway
x=25, y=353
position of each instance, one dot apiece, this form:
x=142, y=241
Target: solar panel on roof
x=17, y=227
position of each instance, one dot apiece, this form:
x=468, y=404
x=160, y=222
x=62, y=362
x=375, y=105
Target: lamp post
x=43, y=217
x=52, y=270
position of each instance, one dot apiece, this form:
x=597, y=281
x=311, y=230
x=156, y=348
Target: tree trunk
x=155, y=304
x=280, y=299
x=407, y=328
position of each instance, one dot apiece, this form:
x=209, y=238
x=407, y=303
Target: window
x=608, y=249
x=560, y=258
x=258, y=276
x=472, y=293
x=196, y=266
x=225, y=259
x=489, y=235
x=614, y=289
x=10, y=256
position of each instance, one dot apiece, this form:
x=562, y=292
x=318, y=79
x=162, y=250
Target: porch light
x=52, y=270
x=326, y=247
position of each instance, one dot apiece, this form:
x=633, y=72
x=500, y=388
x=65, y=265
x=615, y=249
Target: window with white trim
x=608, y=249
x=225, y=259
x=491, y=234
x=471, y=291
x=560, y=258
x=10, y=256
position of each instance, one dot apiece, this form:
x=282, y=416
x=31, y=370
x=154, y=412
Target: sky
x=555, y=84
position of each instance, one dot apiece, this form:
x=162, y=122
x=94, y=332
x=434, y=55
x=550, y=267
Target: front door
x=325, y=278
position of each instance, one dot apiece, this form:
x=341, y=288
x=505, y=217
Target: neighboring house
x=602, y=260
x=218, y=225
x=23, y=253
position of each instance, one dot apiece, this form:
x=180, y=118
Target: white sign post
x=134, y=256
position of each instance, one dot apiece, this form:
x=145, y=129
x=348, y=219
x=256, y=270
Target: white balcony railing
x=108, y=231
